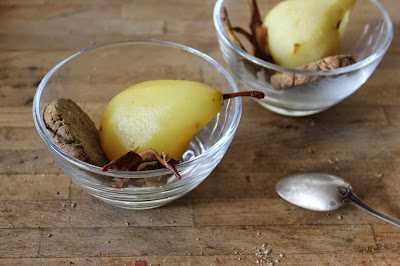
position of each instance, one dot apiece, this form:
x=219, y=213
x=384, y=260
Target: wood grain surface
x=235, y=216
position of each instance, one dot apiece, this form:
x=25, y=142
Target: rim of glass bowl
x=371, y=58
x=37, y=116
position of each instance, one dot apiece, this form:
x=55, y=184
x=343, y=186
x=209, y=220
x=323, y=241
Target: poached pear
x=163, y=115
x=304, y=31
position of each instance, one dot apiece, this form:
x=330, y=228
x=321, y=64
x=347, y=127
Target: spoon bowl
x=323, y=192
x=314, y=191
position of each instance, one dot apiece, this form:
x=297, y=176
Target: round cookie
x=74, y=131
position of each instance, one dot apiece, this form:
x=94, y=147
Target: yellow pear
x=304, y=31
x=163, y=115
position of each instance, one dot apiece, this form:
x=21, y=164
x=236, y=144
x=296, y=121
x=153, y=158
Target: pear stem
x=255, y=94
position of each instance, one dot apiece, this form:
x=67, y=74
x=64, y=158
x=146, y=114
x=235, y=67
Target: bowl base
x=144, y=205
x=288, y=111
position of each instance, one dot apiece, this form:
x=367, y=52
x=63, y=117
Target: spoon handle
x=358, y=203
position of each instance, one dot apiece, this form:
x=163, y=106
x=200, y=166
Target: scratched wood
x=210, y=240
x=235, y=216
x=75, y=213
x=363, y=258
x=251, y=211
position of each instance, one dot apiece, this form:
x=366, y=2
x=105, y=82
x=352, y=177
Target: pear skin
x=163, y=115
x=305, y=31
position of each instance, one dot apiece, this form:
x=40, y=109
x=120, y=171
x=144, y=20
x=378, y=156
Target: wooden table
x=234, y=217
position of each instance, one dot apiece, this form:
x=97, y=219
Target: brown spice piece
x=127, y=162
x=166, y=160
x=229, y=31
x=130, y=161
x=259, y=33
x=283, y=80
x=74, y=131
x=258, y=39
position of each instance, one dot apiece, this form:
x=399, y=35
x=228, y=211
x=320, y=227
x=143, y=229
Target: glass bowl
x=92, y=77
x=368, y=36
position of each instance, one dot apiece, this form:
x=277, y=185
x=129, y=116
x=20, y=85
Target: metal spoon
x=323, y=192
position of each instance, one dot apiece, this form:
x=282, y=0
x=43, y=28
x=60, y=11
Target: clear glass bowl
x=92, y=77
x=368, y=36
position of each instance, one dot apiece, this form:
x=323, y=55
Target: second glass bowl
x=367, y=38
